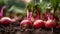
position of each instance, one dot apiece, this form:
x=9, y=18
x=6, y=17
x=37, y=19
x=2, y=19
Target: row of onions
x=47, y=22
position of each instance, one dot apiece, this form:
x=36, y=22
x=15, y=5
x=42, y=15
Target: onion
x=27, y=22
x=6, y=20
x=38, y=24
x=50, y=23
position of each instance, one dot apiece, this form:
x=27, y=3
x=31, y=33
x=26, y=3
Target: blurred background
x=19, y=6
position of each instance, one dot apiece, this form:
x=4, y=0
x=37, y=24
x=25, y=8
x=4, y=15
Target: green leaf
x=53, y=3
x=56, y=14
x=58, y=22
x=40, y=9
x=1, y=3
